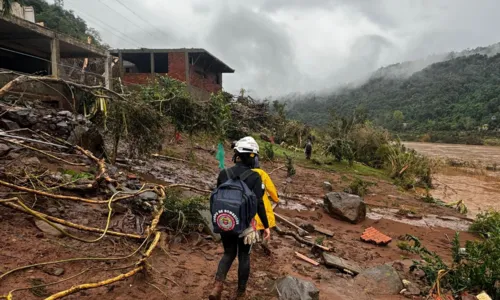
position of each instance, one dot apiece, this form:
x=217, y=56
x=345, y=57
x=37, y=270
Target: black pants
x=234, y=246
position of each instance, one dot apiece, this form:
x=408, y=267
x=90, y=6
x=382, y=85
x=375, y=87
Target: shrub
x=358, y=187
x=474, y=268
x=487, y=223
x=289, y=166
x=268, y=153
x=181, y=214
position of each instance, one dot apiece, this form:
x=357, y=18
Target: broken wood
x=300, y=240
x=286, y=221
x=340, y=263
x=170, y=158
x=279, y=168
x=307, y=259
x=323, y=231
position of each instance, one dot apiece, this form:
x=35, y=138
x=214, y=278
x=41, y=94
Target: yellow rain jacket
x=270, y=190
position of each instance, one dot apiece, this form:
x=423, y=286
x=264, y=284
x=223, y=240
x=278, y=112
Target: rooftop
x=198, y=54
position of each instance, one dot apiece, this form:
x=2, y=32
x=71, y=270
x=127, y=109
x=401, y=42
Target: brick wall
x=207, y=83
x=177, y=65
x=136, y=78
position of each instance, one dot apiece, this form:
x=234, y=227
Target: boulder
x=209, y=226
x=380, y=280
x=8, y=124
x=291, y=288
x=4, y=149
x=341, y=264
x=65, y=113
x=47, y=229
x=344, y=206
x=327, y=186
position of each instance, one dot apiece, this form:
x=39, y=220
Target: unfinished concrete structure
x=29, y=48
x=198, y=68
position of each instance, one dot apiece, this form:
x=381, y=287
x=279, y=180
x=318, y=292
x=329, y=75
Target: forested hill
x=458, y=94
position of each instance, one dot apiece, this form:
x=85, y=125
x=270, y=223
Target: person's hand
x=267, y=234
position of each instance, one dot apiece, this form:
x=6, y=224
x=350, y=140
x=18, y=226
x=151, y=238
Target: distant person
x=308, y=149
x=270, y=191
x=234, y=204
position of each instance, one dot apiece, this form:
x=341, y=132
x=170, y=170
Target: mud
x=477, y=187
x=183, y=267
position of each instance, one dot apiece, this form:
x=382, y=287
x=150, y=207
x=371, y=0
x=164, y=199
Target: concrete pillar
x=186, y=57
x=108, y=74
x=120, y=63
x=152, y=59
x=55, y=57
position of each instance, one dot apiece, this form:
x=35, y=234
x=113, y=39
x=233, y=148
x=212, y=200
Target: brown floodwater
x=477, y=187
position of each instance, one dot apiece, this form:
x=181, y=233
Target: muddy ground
x=184, y=267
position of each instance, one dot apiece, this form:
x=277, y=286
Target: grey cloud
x=257, y=47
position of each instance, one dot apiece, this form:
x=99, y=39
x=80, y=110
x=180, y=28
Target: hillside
x=458, y=94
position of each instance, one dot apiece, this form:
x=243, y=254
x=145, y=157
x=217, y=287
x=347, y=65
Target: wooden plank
x=340, y=263
x=307, y=259
x=323, y=231
x=286, y=221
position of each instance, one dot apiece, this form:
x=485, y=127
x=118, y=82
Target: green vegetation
x=358, y=187
x=181, y=214
x=448, y=100
x=268, y=153
x=78, y=175
x=55, y=17
x=474, y=267
x=487, y=223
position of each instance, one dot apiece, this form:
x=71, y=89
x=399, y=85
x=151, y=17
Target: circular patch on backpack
x=226, y=222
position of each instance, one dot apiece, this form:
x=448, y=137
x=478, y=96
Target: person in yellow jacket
x=270, y=192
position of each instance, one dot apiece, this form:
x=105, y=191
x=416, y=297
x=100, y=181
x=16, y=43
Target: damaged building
x=198, y=68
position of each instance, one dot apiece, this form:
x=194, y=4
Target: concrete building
x=27, y=47
x=197, y=67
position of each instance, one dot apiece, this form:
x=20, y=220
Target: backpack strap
x=229, y=173
x=245, y=175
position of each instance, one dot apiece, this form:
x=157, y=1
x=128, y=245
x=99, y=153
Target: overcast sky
x=282, y=46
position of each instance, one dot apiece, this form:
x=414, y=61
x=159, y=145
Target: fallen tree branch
x=286, y=221
x=31, y=140
x=69, y=224
x=170, y=158
x=26, y=78
x=300, y=240
x=279, y=168
x=87, y=286
x=44, y=153
x=81, y=287
x=63, y=197
x=189, y=187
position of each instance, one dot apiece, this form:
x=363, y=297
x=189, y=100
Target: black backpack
x=233, y=205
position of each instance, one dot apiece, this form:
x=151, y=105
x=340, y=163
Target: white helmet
x=247, y=145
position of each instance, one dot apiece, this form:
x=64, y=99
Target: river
x=477, y=187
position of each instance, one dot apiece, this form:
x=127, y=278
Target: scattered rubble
x=372, y=235
x=344, y=206
x=341, y=264
x=380, y=280
x=292, y=288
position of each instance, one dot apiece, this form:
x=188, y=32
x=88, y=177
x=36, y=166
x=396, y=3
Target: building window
x=218, y=78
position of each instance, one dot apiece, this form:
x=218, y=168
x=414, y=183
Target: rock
x=149, y=196
x=302, y=232
x=291, y=288
x=380, y=280
x=47, y=229
x=118, y=208
x=53, y=271
x=4, y=149
x=8, y=124
x=67, y=177
x=419, y=274
x=410, y=289
x=265, y=138
x=65, y=113
x=62, y=125
x=56, y=177
x=209, y=227
x=345, y=206
x=31, y=161
x=341, y=264
x=327, y=186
